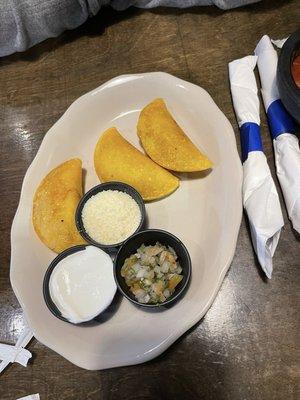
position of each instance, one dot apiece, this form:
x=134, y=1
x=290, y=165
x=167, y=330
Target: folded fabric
x=23, y=23
x=279, y=42
x=260, y=196
x=16, y=353
x=286, y=144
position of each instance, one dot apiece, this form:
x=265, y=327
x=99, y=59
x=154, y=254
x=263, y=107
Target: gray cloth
x=23, y=23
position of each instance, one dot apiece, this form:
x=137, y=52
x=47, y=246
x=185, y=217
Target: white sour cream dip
x=82, y=284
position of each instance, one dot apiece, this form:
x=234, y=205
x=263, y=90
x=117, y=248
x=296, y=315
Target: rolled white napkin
x=286, y=144
x=30, y=397
x=16, y=353
x=260, y=196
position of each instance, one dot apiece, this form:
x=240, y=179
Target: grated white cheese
x=111, y=216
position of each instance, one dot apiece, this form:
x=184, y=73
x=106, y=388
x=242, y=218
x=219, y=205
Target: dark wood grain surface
x=246, y=346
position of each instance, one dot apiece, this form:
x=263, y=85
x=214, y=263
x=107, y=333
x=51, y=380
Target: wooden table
x=245, y=347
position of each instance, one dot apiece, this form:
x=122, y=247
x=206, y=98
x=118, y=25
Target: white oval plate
x=205, y=213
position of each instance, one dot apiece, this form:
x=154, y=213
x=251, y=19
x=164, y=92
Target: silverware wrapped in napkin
x=286, y=144
x=260, y=196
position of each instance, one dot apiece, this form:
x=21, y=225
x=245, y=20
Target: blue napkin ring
x=279, y=120
x=250, y=139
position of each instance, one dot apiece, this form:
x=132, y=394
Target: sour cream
x=82, y=284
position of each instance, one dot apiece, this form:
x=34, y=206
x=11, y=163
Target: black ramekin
x=150, y=237
x=122, y=187
x=46, y=292
x=288, y=90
